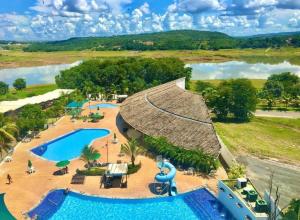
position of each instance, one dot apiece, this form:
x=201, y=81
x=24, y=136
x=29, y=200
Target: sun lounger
x=78, y=179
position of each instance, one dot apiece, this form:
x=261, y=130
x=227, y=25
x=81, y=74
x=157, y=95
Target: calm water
x=198, y=205
x=103, y=105
x=69, y=146
x=34, y=75
x=240, y=69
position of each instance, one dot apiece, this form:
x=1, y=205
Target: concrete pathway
x=6, y=106
x=279, y=114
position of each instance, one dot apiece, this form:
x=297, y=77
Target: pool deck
x=27, y=190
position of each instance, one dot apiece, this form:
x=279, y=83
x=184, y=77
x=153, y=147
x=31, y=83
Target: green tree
x=8, y=134
x=88, y=154
x=202, y=85
x=19, y=84
x=132, y=150
x=3, y=88
x=31, y=117
x=273, y=89
x=293, y=210
x=220, y=102
x=243, y=100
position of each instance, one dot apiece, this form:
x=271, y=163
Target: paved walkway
x=6, y=106
x=279, y=114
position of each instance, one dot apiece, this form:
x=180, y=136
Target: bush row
x=95, y=171
x=180, y=156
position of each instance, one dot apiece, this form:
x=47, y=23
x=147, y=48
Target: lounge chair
x=78, y=179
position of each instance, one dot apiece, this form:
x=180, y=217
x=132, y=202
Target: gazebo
x=116, y=170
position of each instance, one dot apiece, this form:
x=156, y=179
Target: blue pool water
x=103, y=105
x=199, y=204
x=69, y=146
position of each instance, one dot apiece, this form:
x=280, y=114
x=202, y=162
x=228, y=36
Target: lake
x=240, y=69
x=34, y=75
x=226, y=70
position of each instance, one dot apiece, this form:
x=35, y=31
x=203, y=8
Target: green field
x=28, y=92
x=264, y=137
x=17, y=58
x=257, y=83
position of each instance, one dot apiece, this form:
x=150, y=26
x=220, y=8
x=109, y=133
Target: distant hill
x=170, y=40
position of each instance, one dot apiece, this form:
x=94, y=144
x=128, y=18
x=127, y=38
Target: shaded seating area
x=78, y=179
x=115, y=176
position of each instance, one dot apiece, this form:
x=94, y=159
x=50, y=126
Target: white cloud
x=193, y=6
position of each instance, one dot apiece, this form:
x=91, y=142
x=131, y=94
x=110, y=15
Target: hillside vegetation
x=170, y=40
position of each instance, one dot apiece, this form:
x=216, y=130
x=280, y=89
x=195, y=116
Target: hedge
x=180, y=156
x=94, y=171
x=133, y=168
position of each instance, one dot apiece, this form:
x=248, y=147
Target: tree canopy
x=122, y=76
x=31, y=117
x=3, y=88
x=19, y=84
x=236, y=97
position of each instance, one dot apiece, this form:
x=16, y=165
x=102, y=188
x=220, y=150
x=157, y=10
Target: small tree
x=3, y=88
x=132, y=150
x=236, y=171
x=19, y=84
x=88, y=154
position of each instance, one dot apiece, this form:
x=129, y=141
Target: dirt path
x=279, y=114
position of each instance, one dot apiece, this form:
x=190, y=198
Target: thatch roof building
x=170, y=111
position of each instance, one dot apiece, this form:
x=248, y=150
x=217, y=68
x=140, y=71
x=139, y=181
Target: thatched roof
x=170, y=111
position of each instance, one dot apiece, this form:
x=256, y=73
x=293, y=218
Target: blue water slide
x=169, y=177
x=161, y=177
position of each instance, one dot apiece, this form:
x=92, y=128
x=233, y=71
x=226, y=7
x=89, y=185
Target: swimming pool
x=198, y=204
x=104, y=105
x=69, y=146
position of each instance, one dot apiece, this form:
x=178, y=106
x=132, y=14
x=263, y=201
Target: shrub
x=236, y=171
x=94, y=171
x=180, y=156
x=133, y=168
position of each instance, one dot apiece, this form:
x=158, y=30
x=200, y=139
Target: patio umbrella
x=95, y=156
x=62, y=163
x=29, y=163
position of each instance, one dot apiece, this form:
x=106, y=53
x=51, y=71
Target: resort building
x=172, y=112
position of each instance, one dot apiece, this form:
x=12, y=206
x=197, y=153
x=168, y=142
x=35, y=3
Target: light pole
x=89, y=97
x=107, y=151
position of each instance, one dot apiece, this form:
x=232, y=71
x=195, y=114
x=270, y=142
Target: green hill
x=170, y=40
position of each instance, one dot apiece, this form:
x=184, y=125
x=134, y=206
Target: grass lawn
x=18, y=58
x=28, y=92
x=257, y=83
x=271, y=137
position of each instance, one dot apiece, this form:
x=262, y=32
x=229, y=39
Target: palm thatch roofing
x=170, y=111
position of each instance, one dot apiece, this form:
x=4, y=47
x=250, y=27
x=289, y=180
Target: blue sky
x=61, y=19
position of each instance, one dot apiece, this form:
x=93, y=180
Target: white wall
x=231, y=204
x=181, y=83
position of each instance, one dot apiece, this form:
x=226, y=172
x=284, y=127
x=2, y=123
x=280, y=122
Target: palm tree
x=87, y=154
x=8, y=132
x=132, y=150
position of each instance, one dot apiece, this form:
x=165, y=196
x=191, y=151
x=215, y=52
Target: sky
x=40, y=20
